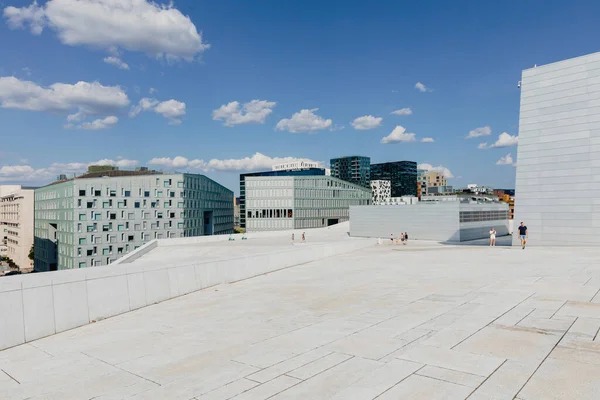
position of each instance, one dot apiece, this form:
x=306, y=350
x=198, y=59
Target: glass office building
x=401, y=174
x=353, y=169
x=297, y=172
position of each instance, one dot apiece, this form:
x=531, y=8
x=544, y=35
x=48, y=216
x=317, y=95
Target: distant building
x=298, y=172
x=236, y=212
x=296, y=165
x=474, y=188
x=435, y=179
x=96, y=218
x=16, y=224
x=299, y=202
x=353, y=169
x=401, y=174
x=381, y=191
x=421, y=183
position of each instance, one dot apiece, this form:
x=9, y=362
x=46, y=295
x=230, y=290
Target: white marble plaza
x=422, y=321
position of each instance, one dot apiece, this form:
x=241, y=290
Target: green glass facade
x=401, y=174
x=353, y=169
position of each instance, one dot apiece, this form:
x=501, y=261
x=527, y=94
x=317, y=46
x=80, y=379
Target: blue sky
x=337, y=60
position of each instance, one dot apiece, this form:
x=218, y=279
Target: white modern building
x=445, y=221
x=558, y=159
x=295, y=165
x=299, y=202
x=16, y=224
x=382, y=191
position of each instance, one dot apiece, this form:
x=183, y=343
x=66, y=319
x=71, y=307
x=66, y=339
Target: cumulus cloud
x=478, y=132
x=26, y=173
x=427, y=140
x=366, y=122
x=116, y=61
x=399, y=135
x=402, y=111
x=173, y=110
x=157, y=29
x=257, y=162
x=252, y=112
x=440, y=169
x=422, y=88
x=483, y=145
x=506, y=140
x=506, y=160
x=304, y=121
x=98, y=124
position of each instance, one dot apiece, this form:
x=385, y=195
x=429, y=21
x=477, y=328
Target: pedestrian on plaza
x=405, y=237
x=523, y=234
x=492, y=237
x=392, y=237
x=303, y=237
x=402, y=237
x=292, y=238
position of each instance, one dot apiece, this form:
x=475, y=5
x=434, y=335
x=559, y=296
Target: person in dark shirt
x=523, y=234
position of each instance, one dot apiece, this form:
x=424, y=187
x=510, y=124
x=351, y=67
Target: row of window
x=477, y=216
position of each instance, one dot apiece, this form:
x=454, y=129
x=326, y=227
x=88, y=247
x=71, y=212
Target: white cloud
x=116, y=61
x=402, y=111
x=427, y=140
x=366, y=122
x=157, y=29
x=422, y=88
x=255, y=111
x=506, y=160
x=304, y=121
x=257, y=162
x=26, y=173
x=399, y=135
x=478, y=132
x=98, y=124
x=483, y=145
x=152, y=90
x=441, y=169
x=83, y=99
x=505, y=140
x=173, y=110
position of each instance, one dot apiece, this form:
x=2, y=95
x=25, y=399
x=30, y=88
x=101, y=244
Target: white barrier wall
x=33, y=306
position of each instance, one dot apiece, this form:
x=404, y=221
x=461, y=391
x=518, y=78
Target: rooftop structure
x=95, y=219
x=558, y=159
x=376, y=323
x=16, y=224
x=296, y=165
x=353, y=169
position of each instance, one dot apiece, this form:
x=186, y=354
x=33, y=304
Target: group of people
x=303, y=238
x=523, y=235
x=403, y=238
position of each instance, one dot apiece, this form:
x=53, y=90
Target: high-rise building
x=299, y=202
x=401, y=174
x=292, y=172
x=558, y=159
x=353, y=169
x=16, y=224
x=98, y=217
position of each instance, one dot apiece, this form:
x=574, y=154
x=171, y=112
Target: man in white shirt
x=492, y=237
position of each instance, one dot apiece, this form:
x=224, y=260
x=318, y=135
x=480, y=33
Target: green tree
x=31, y=254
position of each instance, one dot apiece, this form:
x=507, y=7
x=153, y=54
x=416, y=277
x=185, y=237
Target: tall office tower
x=558, y=159
x=401, y=174
x=98, y=217
x=353, y=169
x=277, y=171
x=16, y=224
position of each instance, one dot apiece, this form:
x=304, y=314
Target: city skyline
x=229, y=89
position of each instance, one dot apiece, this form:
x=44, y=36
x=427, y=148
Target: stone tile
x=560, y=379
x=332, y=381
x=230, y=390
x=379, y=380
x=580, y=309
x=444, y=374
x=288, y=365
x=579, y=350
x=505, y=382
x=316, y=367
x=452, y=359
x=269, y=389
x=421, y=387
x=585, y=327
x=555, y=325
x=367, y=344
x=514, y=316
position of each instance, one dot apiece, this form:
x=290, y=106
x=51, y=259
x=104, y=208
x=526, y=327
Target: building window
x=82, y=265
x=127, y=193
x=137, y=204
x=113, y=193
x=82, y=217
x=147, y=193
x=82, y=192
x=82, y=241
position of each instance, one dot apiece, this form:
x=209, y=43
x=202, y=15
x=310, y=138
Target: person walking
x=523, y=234
x=392, y=237
x=405, y=237
x=292, y=238
x=303, y=237
x=492, y=237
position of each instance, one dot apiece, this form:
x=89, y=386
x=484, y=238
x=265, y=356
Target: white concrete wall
x=33, y=306
x=557, y=183
x=481, y=229
x=423, y=221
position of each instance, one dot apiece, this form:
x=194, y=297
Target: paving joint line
x=485, y=380
x=528, y=314
x=10, y=376
x=545, y=358
x=594, y=296
x=494, y=320
x=441, y=380
x=399, y=382
x=122, y=369
x=281, y=362
x=42, y=350
x=596, y=335
x=554, y=313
